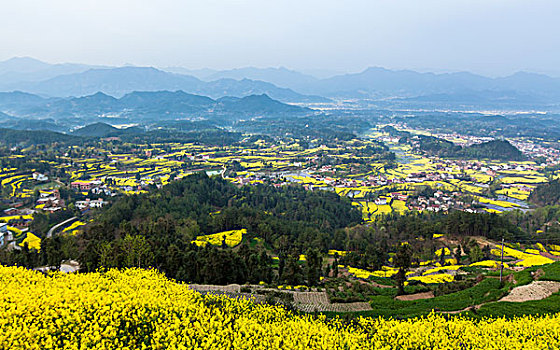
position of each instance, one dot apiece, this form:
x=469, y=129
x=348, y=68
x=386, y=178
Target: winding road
x=55, y=227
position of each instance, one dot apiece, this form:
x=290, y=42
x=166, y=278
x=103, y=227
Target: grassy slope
x=486, y=292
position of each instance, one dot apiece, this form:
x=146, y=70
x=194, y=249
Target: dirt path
x=375, y=284
x=474, y=307
x=535, y=291
x=417, y=296
x=484, y=241
x=550, y=256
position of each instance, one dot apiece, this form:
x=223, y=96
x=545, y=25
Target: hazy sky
x=492, y=37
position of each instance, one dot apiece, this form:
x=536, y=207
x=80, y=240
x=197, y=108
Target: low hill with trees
x=546, y=194
x=495, y=149
x=12, y=137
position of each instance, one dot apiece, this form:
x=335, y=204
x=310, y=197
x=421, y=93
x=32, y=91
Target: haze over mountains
x=25, y=74
x=135, y=107
x=387, y=87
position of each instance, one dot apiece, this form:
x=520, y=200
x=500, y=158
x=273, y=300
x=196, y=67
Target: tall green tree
x=402, y=260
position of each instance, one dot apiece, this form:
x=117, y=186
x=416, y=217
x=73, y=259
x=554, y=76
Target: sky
x=490, y=37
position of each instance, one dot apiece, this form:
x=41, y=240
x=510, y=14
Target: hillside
x=278, y=76
x=119, y=81
x=15, y=98
x=142, y=106
x=495, y=149
x=546, y=194
x=30, y=124
x=96, y=130
x=27, y=69
x=33, y=137
x=255, y=104
x=4, y=116
x=142, y=309
x=104, y=130
x=265, y=211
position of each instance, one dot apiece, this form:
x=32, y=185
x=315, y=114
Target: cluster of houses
x=533, y=150
x=440, y=201
x=387, y=199
x=5, y=235
x=86, y=186
x=18, y=211
x=90, y=204
x=40, y=177
x=50, y=201
x=96, y=187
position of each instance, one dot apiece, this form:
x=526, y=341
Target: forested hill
x=288, y=219
x=495, y=149
x=198, y=195
x=12, y=137
x=546, y=194
x=98, y=130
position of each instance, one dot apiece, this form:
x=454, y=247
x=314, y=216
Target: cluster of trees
x=329, y=129
x=371, y=245
x=495, y=149
x=42, y=221
x=291, y=272
x=546, y=194
x=545, y=219
x=156, y=229
x=210, y=137
x=10, y=137
x=26, y=138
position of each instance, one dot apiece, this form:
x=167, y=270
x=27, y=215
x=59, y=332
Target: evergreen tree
x=402, y=260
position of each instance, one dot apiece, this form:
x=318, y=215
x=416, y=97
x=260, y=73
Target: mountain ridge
x=118, y=81
x=143, y=106
x=518, y=90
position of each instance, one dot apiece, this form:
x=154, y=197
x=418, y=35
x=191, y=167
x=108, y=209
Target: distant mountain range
x=379, y=82
x=26, y=69
x=77, y=80
x=21, y=108
x=282, y=77
x=387, y=88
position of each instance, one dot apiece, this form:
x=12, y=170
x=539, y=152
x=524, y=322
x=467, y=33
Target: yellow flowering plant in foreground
x=141, y=309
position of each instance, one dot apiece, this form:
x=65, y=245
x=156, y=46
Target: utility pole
x=502, y=261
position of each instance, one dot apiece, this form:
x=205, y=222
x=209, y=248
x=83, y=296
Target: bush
x=448, y=288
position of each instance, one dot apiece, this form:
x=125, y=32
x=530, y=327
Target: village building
x=5, y=234
x=90, y=204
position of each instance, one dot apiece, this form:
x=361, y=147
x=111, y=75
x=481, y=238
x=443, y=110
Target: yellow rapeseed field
x=141, y=309
x=232, y=238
